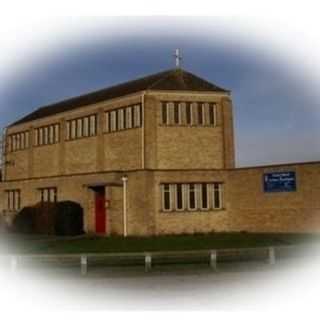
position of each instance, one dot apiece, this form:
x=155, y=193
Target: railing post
x=213, y=259
x=148, y=262
x=271, y=255
x=84, y=264
x=13, y=264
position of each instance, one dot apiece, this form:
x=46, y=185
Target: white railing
x=150, y=259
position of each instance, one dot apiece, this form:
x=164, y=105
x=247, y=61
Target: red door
x=100, y=210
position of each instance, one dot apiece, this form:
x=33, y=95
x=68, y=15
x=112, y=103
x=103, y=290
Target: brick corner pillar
x=100, y=141
x=62, y=147
x=31, y=153
x=228, y=134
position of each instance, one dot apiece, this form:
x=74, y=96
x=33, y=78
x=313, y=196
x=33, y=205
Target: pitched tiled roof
x=174, y=79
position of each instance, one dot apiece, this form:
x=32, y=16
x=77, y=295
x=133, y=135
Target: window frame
x=121, y=125
x=163, y=194
x=195, y=197
x=17, y=141
x=176, y=113
x=137, y=116
x=13, y=200
x=213, y=107
x=92, y=125
x=107, y=121
x=113, y=121
x=129, y=117
x=47, y=193
x=183, y=198
x=207, y=195
x=220, y=191
x=164, y=113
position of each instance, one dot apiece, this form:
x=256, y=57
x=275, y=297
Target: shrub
x=23, y=222
x=68, y=219
x=44, y=218
x=62, y=218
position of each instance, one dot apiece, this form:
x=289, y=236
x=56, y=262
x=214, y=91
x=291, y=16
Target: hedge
x=63, y=218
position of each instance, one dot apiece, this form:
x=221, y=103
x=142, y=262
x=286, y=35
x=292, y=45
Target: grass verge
x=89, y=244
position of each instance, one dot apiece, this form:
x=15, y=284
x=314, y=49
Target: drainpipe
x=125, y=180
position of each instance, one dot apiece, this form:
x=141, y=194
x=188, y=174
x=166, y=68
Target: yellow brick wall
x=45, y=160
x=80, y=155
x=169, y=154
x=246, y=206
x=188, y=146
x=122, y=150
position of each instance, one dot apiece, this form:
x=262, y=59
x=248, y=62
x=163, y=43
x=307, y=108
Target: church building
x=153, y=156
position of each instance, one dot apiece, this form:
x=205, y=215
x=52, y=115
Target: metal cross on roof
x=178, y=58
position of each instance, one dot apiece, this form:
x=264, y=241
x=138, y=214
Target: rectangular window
x=132, y=117
x=14, y=143
x=27, y=139
x=68, y=130
x=192, y=199
x=180, y=197
x=79, y=128
x=164, y=113
x=51, y=135
x=13, y=200
x=204, y=196
x=36, y=137
x=93, y=125
x=56, y=133
x=45, y=135
x=48, y=194
x=22, y=140
x=121, y=119
x=188, y=112
x=107, y=121
x=124, y=117
x=137, y=116
x=73, y=129
x=170, y=112
x=40, y=136
x=191, y=196
x=82, y=127
x=212, y=114
x=194, y=113
x=166, y=197
x=176, y=113
x=217, y=196
x=129, y=118
x=85, y=127
x=18, y=147
x=113, y=126
x=200, y=113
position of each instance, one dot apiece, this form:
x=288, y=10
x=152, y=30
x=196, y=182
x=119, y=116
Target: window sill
x=189, y=125
x=193, y=211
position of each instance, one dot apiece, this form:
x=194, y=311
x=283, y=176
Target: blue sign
x=279, y=181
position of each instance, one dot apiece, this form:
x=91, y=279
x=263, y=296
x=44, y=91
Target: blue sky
x=274, y=109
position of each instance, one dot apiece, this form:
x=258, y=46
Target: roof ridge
x=171, y=79
x=161, y=79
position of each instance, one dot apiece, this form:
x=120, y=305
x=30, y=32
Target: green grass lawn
x=86, y=244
